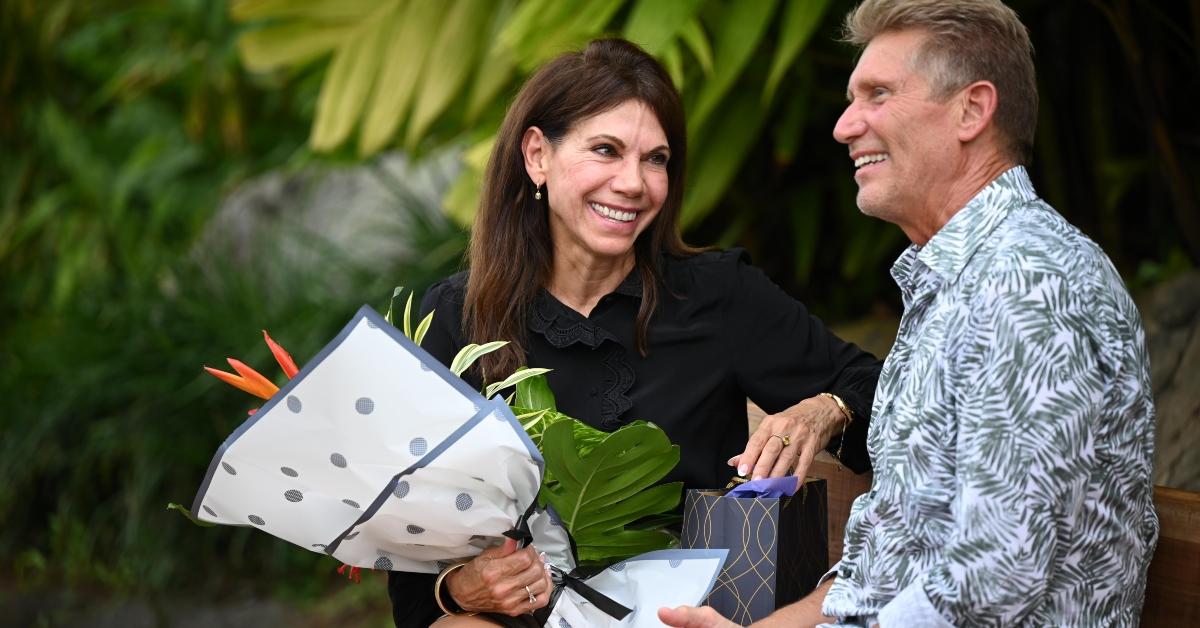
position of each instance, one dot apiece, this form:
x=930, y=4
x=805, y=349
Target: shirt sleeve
x=1028, y=384
x=784, y=355
x=411, y=594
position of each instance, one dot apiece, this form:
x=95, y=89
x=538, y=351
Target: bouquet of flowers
x=380, y=456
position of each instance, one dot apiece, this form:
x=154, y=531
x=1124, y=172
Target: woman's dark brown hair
x=511, y=253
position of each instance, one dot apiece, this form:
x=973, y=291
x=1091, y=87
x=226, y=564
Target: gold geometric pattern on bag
x=749, y=575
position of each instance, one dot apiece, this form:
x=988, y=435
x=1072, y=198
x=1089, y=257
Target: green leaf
x=390, y=316
x=348, y=82
x=325, y=10
x=742, y=26
x=534, y=393
x=496, y=68
x=608, y=547
x=422, y=328
x=468, y=354
x=600, y=492
x=412, y=37
x=181, y=509
x=512, y=380
x=693, y=35
x=453, y=57
x=800, y=19
x=290, y=44
x=720, y=155
x=408, y=317
x=653, y=24
x=672, y=58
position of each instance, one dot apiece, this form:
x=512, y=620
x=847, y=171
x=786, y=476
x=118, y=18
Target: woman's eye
x=658, y=159
x=605, y=149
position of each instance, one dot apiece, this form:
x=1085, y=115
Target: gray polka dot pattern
x=618, y=567
x=463, y=501
x=338, y=460
x=293, y=403
x=209, y=510
x=401, y=490
x=228, y=468
x=288, y=471
x=293, y=496
x=674, y=562
x=364, y=405
x=418, y=446
x=351, y=503
x=372, y=325
x=562, y=623
x=257, y=520
x=383, y=563
x=415, y=529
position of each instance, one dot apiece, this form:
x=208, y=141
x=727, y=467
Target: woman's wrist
x=442, y=590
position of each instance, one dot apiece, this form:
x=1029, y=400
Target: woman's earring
x=538, y=193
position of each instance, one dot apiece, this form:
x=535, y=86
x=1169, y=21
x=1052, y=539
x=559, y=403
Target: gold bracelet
x=437, y=589
x=849, y=419
x=841, y=406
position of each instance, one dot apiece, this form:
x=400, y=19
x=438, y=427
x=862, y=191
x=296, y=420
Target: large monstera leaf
x=601, y=493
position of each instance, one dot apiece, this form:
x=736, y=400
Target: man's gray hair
x=968, y=41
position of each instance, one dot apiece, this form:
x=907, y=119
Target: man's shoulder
x=1035, y=240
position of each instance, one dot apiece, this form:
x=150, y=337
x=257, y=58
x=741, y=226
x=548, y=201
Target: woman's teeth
x=614, y=214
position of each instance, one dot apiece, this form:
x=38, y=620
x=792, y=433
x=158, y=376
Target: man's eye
x=879, y=92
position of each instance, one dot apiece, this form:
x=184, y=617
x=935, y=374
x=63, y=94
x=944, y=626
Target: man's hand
x=689, y=617
x=808, y=427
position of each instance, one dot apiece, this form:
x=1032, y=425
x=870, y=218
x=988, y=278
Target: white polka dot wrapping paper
x=378, y=455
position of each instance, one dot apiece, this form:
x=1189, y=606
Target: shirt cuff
x=833, y=571
x=912, y=608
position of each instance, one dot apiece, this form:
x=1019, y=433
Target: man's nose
x=849, y=126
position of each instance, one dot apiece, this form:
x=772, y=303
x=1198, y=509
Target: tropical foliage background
x=131, y=252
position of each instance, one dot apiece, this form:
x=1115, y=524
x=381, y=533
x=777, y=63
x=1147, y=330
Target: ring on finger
x=532, y=597
x=783, y=439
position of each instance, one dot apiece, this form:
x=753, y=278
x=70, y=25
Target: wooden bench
x=1173, y=581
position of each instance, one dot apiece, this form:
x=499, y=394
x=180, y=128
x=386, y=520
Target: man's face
x=903, y=143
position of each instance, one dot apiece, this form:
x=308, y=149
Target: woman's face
x=606, y=181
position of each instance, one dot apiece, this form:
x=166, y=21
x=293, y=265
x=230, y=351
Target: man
x=1012, y=431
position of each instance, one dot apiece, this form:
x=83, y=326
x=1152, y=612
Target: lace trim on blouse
x=563, y=327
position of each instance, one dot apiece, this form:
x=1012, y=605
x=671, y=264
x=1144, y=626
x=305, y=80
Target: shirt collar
x=631, y=286
x=949, y=250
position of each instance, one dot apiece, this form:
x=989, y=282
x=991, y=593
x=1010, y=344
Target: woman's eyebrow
x=620, y=144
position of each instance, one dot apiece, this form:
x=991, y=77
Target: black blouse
x=722, y=332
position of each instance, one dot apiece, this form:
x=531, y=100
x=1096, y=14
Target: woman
x=576, y=258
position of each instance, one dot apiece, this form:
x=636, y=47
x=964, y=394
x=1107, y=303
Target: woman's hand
x=807, y=426
x=502, y=580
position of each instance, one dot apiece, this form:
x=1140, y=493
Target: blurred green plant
x=124, y=125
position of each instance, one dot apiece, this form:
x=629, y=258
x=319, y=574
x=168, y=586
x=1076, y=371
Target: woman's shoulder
x=708, y=269
x=448, y=294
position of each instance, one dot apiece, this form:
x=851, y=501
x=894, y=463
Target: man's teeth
x=614, y=214
x=869, y=159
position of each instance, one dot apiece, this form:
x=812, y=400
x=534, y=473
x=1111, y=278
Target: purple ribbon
x=785, y=486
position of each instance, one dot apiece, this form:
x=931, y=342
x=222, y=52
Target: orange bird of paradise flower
x=250, y=380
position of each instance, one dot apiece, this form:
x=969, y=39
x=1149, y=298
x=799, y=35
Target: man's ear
x=978, y=101
x=536, y=149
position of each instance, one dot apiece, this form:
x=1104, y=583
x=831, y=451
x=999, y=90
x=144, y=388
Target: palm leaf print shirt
x=1012, y=433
